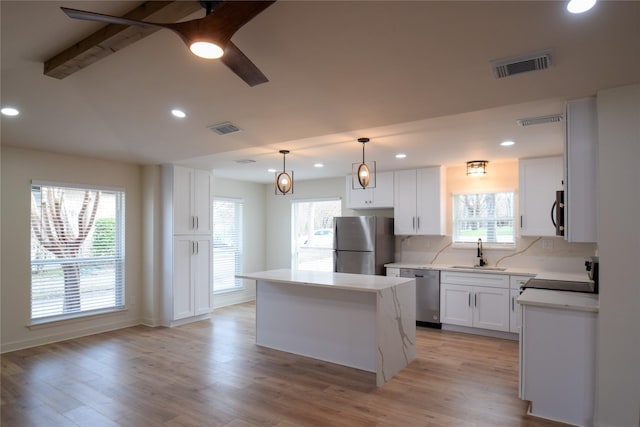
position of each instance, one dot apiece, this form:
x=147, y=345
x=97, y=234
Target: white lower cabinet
x=191, y=278
x=475, y=300
x=557, y=363
x=393, y=272
x=515, y=315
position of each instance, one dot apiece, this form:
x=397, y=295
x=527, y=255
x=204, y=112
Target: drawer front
x=475, y=279
x=517, y=281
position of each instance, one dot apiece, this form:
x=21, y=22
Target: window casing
x=486, y=216
x=312, y=233
x=227, y=244
x=77, y=251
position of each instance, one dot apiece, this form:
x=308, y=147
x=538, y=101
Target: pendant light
x=477, y=167
x=284, y=181
x=362, y=173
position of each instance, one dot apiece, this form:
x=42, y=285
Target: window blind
x=486, y=216
x=77, y=251
x=227, y=243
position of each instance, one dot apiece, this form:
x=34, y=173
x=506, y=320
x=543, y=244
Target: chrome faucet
x=481, y=261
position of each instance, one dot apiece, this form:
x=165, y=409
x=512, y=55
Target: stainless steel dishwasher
x=427, y=296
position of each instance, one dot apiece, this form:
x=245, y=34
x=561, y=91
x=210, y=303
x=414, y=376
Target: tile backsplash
x=539, y=253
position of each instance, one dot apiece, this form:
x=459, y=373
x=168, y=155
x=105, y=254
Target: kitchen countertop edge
x=330, y=280
x=577, y=301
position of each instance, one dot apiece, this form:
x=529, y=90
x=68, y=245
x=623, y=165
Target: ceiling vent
x=554, y=118
x=521, y=64
x=245, y=161
x=224, y=128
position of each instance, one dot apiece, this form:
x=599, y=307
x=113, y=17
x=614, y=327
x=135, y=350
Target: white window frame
x=295, y=256
x=238, y=284
x=486, y=244
x=84, y=261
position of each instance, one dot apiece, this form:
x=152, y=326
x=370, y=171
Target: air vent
x=224, y=128
x=245, y=161
x=521, y=64
x=554, y=118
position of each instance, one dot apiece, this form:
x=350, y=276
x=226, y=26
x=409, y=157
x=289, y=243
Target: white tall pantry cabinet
x=187, y=244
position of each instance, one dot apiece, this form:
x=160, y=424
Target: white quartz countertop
x=548, y=275
x=354, y=282
x=560, y=299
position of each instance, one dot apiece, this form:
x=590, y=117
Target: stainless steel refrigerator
x=363, y=244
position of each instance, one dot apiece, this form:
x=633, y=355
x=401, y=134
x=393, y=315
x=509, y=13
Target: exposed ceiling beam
x=111, y=38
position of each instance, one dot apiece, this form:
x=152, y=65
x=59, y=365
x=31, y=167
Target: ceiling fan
x=208, y=37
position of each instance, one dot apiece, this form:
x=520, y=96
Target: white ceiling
x=412, y=76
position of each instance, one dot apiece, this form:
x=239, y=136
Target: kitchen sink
x=477, y=267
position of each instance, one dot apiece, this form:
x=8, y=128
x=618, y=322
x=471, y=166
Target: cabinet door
x=455, y=304
x=357, y=198
x=182, y=287
x=515, y=312
x=183, y=220
x=202, y=205
x=491, y=308
x=393, y=272
x=383, y=193
x=430, y=206
x=202, y=287
x=404, y=190
x=580, y=180
x=539, y=179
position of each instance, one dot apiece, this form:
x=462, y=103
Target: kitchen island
x=361, y=321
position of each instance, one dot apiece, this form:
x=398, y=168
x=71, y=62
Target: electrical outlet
x=547, y=244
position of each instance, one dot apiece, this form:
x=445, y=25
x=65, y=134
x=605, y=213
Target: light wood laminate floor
x=211, y=373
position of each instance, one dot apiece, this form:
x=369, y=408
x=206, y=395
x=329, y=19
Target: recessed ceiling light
x=401, y=156
x=580, y=6
x=507, y=143
x=9, y=111
x=272, y=170
x=318, y=165
x=179, y=113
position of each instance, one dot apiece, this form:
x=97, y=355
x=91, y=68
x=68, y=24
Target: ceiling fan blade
x=242, y=66
x=107, y=19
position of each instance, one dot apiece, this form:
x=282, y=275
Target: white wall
x=152, y=241
x=618, y=337
x=254, y=221
x=19, y=167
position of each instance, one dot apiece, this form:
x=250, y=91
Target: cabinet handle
x=414, y=222
x=475, y=300
x=418, y=223
x=193, y=247
x=197, y=247
x=513, y=304
x=520, y=221
x=469, y=299
x=197, y=222
x=193, y=222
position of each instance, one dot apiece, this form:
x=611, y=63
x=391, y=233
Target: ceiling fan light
x=580, y=6
x=206, y=50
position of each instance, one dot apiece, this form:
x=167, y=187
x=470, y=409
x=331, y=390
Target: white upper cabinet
x=369, y=198
x=580, y=170
x=192, y=207
x=539, y=179
x=419, y=205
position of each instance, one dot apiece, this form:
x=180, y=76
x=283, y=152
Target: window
x=227, y=244
x=486, y=216
x=312, y=234
x=77, y=251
